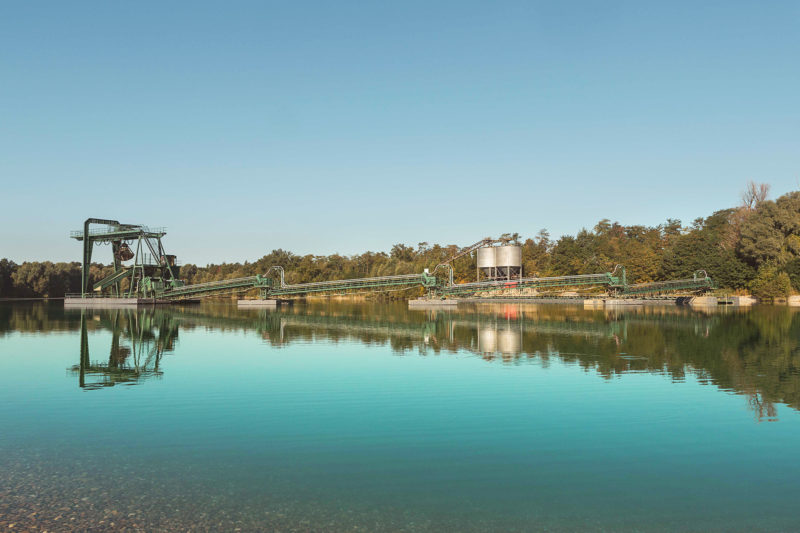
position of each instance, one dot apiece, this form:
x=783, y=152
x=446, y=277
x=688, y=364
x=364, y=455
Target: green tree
x=770, y=283
x=7, y=269
x=703, y=247
x=771, y=232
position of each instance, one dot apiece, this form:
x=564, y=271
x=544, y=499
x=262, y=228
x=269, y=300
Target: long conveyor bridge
x=270, y=289
x=607, y=279
x=700, y=281
x=274, y=288
x=614, y=281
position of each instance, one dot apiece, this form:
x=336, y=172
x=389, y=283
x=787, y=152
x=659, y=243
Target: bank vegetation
x=754, y=247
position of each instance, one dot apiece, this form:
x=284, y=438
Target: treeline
x=44, y=279
x=754, y=247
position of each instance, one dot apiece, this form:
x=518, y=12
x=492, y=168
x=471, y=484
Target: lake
x=332, y=416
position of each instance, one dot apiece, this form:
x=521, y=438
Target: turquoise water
x=334, y=416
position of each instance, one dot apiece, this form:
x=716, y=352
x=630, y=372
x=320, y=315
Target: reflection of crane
x=149, y=336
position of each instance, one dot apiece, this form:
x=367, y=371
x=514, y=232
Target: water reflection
x=755, y=352
x=138, y=341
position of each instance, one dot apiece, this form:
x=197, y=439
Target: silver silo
x=508, y=260
x=487, y=261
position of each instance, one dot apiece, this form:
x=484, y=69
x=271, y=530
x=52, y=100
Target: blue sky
x=341, y=127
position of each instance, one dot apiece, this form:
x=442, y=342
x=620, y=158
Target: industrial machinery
x=153, y=274
x=500, y=262
x=494, y=262
x=487, y=263
x=509, y=261
x=152, y=271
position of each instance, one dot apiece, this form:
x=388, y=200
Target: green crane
x=152, y=269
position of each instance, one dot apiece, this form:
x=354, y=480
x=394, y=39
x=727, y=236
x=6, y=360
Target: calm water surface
x=373, y=417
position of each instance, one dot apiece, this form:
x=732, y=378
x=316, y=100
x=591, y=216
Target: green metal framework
x=155, y=274
x=269, y=289
x=616, y=282
x=216, y=288
x=358, y=284
x=699, y=282
x=152, y=270
x=584, y=280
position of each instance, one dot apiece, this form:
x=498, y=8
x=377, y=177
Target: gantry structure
x=152, y=271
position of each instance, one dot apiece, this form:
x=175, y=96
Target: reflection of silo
x=509, y=342
x=508, y=260
x=487, y=261
x=487, y=339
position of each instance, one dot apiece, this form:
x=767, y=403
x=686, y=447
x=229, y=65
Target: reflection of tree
x=755, y=353
x=763, y=409
x=749, y=352
x=28, y=317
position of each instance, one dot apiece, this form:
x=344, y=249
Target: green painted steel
x=116, y=277
x=265, y=283
x=358, y=284
x=584, y=280
x=156, y=276
x=614, y=283
x=144, y=272
x=215, y=288
x=699, y=282
x=156, y=288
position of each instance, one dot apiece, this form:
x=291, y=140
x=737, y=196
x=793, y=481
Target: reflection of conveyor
x=281, y=325
x=443, y=330
x=582, y=329
x=336, y=324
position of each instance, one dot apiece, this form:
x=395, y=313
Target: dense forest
x=754, y=247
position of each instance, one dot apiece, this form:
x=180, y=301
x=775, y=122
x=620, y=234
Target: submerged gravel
x=79, y=496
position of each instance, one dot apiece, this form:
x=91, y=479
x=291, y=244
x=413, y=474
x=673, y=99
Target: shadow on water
x=751, y=352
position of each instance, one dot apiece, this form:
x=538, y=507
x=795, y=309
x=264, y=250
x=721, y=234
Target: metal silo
x=487, y=261
x=508, y=260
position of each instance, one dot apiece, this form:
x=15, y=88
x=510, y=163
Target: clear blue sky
x=341, y=127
